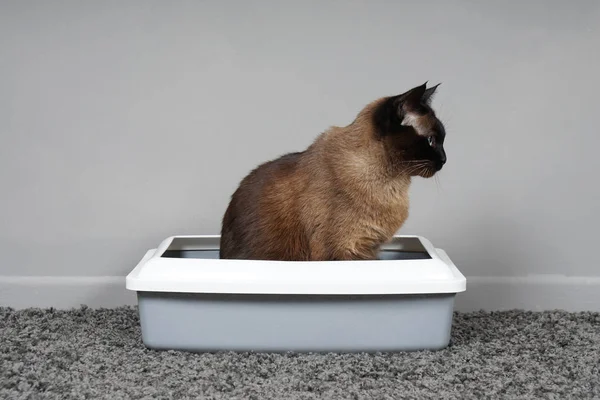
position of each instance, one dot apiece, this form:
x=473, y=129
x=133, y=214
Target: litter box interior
x=402, y=248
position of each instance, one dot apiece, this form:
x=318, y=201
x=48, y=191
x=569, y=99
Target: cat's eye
x=431, y=141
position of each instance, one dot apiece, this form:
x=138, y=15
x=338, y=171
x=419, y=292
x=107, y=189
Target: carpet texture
x=98, y=354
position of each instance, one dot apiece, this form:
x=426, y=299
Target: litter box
x=191, y=300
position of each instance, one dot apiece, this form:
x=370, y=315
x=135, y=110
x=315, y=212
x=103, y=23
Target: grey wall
x=122, y=123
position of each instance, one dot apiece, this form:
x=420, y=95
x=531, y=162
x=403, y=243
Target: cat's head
x=412, y=135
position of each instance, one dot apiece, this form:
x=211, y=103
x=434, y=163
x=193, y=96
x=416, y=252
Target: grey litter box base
x=299, y=323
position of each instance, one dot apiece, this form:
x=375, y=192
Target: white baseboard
x=532, y=293
x=535, y=293
x=64, y=292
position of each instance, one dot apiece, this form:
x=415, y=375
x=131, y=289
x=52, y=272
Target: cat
x=346, y=194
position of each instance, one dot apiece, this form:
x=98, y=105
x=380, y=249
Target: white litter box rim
x=370, y=277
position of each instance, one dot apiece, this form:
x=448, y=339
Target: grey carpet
x=98, y=354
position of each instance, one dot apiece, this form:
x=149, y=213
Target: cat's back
x=264, y=207
x=270, y=173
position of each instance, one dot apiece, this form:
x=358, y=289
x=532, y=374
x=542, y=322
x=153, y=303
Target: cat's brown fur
x=345, y=195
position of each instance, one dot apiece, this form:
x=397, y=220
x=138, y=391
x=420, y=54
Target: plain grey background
x=122, y=123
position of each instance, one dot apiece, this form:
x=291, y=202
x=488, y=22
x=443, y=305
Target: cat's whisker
x=418, y=168
x=412, y=167
x=438, y=182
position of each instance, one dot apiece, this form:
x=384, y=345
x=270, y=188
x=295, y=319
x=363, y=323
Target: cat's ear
x=409, y=105
x=402, y=110
x=412, y=99
x=428, y=94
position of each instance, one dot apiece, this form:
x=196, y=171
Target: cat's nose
x=441, y=160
